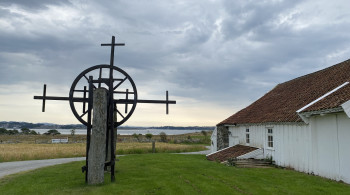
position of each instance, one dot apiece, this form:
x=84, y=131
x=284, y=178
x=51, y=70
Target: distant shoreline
x=19, y=125
x=129, y=131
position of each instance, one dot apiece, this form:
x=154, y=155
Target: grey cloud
x=177, y=44
x=33, y=4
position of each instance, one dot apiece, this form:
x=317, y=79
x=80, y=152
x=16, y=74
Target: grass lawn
x=170, y=174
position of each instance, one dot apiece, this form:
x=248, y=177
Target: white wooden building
x=303, y=124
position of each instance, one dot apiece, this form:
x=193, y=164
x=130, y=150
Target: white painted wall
x=322, y=147
x=331, y=146
x=290, y=143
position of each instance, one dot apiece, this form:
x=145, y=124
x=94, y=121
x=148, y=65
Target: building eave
x=306, y=115
x=264, y=124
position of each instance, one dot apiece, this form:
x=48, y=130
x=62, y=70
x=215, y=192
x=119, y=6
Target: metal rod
x=84, y=98
x=80, y=90
x=126, y=105
x=120, y=113
x=99, y=77
x=119, y=101
x=88, y=136
x=123, y=92
x=167, y=104
x=111, y=109
x=44, y=95
x=121, y=82
x=89, y=81
x=117, y=44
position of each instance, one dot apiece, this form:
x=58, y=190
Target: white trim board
x=320, y=98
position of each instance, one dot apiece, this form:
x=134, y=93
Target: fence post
x=153, y=146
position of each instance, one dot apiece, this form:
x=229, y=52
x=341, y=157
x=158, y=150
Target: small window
x=269, y=138
x=269, y=131
x=247, y=137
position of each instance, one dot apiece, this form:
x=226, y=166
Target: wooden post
x=153, y=146
x=97, y=150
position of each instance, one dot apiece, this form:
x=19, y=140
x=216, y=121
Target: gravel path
x=200, y=152
x=8, y=168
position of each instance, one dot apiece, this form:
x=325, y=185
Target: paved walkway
x=8, y=168
x=200, y=152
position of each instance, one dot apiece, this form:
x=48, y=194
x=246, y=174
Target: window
x=269, y=138
x=247, y=138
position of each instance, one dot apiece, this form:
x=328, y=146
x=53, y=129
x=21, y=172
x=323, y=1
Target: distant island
x=19, y=125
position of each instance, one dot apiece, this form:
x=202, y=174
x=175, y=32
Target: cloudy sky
x=215, y=57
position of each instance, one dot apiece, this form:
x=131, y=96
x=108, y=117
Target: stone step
x=260, y=163
x=250, y=163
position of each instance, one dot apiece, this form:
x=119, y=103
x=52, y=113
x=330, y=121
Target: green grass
x=170, y=174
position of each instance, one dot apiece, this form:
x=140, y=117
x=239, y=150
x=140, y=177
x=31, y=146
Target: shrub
x=204, y=133
x=25, y=131
x=52, y=132
x=231, y=162
x=13, y=132
x=149, y=135
x=3, y=131
x=32, y=132
x=163, y=137
x=135, y=136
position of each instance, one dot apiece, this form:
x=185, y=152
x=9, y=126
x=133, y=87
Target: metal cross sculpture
x=118, y=83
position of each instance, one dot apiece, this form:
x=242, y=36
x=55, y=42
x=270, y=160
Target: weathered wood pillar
x=97, y=149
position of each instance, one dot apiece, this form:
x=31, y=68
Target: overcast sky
x=214, y=57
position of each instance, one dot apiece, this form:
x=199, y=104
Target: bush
x=136, y=136
x=25, y=131
x=204, y=133
x=52, y=132
x=13, y=132
x=163, y=137
x=32, y=132
x=231, y=162
x=3, y=131
x=149, y=135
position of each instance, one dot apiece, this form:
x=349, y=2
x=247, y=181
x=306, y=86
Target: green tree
x=3, y=131
x=25, y=131
x=136, y=136
x=149, y=135
x=52, y=132
x=32, y=132
x=204, y=133
x=13, y=132
x=163, y=137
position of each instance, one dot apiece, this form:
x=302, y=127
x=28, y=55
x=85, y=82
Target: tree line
x=26, y=131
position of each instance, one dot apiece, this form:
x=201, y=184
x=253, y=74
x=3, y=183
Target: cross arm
x=124, y=101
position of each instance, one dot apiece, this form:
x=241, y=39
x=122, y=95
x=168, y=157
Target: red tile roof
x=230, y=152
x=281, y=103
